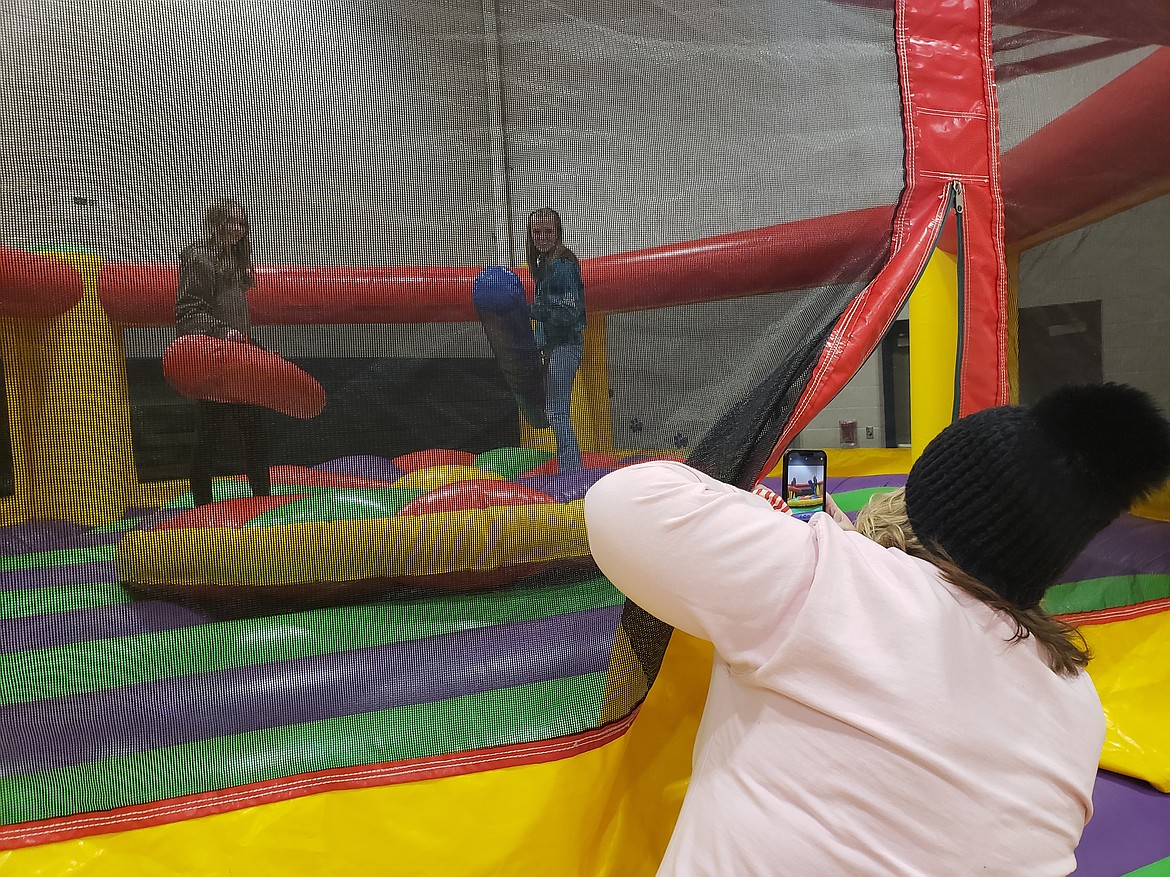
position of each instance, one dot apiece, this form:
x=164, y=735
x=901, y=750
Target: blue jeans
x=563, y=362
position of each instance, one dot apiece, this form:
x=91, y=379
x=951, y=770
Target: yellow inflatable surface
x=1131, y=669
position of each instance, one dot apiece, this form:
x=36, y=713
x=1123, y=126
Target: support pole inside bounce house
x=934, y=332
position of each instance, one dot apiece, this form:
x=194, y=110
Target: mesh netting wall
x=1081, y=208
x=172, y=650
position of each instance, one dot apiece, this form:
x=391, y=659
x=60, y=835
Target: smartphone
x=804, y=482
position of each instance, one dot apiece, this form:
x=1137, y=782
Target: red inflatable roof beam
x=35, y=285
x=301, y=296
x=144, y=295
x=840, y=248
x=1109, y=152
x=138, y=295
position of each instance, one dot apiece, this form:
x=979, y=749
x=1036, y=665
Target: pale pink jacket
x=864, y=717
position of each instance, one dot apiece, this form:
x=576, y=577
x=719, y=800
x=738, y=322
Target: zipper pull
x=958, y=190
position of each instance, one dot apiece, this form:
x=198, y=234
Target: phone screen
x=804, y=482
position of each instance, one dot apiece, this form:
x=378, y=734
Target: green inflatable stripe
x=221, y=489
x=1110, y=592
x=230, y=488
x=110, y=663
x=855, y=500
x=35, y=559
x=512, y=462
x=46, y=601
x=537, y=711
x=1157, y=869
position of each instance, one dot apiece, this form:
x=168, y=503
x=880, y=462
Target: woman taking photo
x=891, y=700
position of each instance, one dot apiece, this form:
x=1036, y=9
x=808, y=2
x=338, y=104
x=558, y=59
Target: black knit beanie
x=1014, y=494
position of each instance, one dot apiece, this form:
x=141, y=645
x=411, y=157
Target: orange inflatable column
x=82, y=467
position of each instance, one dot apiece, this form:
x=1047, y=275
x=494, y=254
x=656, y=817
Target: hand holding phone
x=843, y=520
x=804, y=481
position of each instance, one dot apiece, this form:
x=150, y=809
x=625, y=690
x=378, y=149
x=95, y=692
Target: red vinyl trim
x=869, y=315
x=1117, y=613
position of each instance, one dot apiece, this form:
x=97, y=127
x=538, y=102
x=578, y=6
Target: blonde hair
x=884, y=520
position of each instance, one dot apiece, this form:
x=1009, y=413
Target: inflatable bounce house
x=828, y=224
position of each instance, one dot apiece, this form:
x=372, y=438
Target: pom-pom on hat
x=1014, y=494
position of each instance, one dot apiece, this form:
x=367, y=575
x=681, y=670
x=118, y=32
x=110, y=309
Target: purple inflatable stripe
x=38, y=536
x=85, y=625
x=48, y=734
x=93, y=540
x=1130, y=828
x=1128, y=546
x=55, y=576
x=139, y=511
